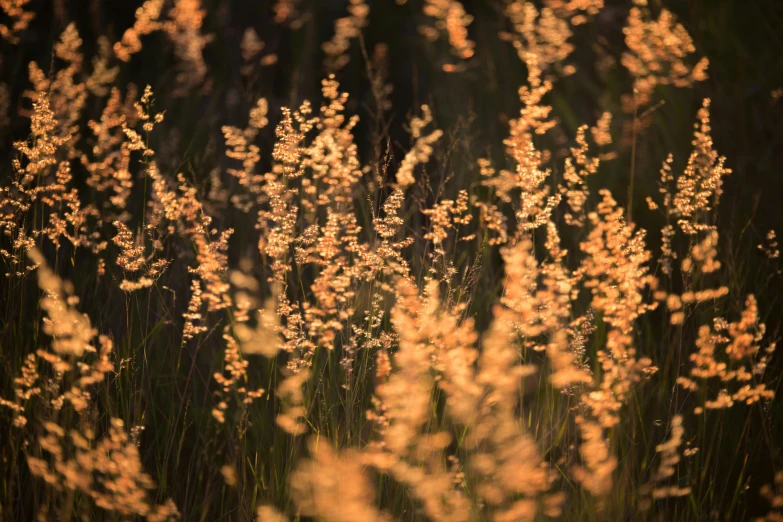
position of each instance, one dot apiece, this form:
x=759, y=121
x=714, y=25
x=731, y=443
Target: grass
x=294, y=331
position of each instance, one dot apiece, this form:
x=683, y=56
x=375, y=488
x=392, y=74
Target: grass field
x=346, y=261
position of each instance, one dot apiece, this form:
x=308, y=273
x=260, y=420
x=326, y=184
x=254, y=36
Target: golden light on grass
x=346, y=332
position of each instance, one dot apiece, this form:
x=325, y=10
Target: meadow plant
x=293, y=325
